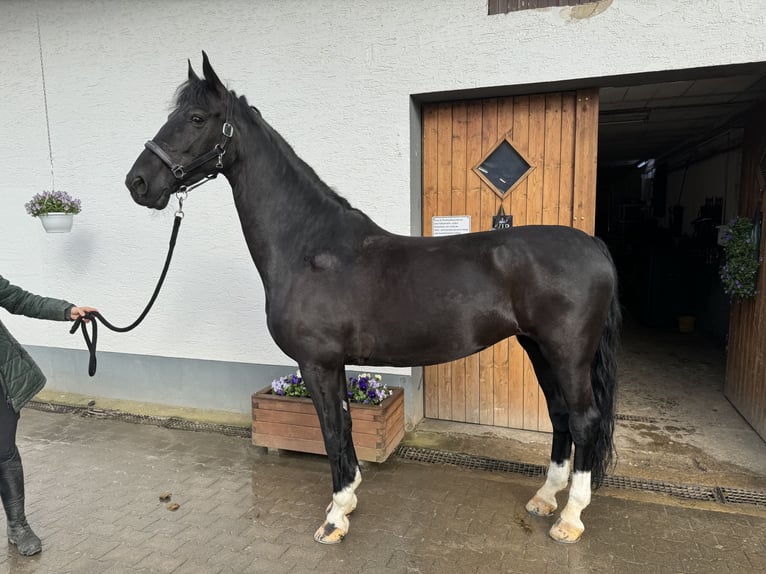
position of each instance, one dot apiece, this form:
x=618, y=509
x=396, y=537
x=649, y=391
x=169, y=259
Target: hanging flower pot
x=57, y=222
x=56, y=210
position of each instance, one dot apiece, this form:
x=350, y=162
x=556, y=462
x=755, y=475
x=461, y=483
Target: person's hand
x=76, y=312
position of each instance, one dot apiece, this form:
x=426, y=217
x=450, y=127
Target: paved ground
x=93, y=491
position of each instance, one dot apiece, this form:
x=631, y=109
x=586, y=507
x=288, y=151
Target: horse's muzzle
x=139, y=191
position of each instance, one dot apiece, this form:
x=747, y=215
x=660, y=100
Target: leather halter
x=181, y=171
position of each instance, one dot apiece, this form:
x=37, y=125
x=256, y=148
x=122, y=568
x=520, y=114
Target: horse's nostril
x=138, y=185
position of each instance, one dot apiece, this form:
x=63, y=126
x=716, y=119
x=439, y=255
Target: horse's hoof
x=348, y=511
x=540, y=507
x=565, y=532
x=329, y=534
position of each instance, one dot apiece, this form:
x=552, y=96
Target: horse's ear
x=210, y=76
x=192, y=75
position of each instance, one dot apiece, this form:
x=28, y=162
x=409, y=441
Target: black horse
x=341, y=290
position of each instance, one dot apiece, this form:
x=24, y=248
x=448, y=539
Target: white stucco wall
x=334, y=77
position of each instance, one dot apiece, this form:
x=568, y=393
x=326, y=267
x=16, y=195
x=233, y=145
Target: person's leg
x=12, y=483
x=9, y=420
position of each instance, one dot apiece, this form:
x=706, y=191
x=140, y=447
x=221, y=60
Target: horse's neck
x=280, y=207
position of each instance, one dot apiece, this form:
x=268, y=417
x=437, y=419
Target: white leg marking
x=354, y=486
x=556, y=481
x=343, y=503
x=569, y=526
x=336, y=523
x=543, y=503
x=579, y=498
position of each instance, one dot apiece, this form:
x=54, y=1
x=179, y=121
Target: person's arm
x=19, y=302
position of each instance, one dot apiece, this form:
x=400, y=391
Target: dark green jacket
x=20, y=376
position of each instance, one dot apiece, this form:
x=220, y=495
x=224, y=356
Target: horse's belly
x=417, y=341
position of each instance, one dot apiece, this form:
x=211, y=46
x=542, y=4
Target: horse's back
x=528, y=253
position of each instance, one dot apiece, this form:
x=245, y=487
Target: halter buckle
x=178, y=172
x=227, y=130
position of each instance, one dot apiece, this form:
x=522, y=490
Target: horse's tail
x=603, y=376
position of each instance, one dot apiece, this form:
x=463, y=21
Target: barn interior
x=670, y=157
x=669, y=168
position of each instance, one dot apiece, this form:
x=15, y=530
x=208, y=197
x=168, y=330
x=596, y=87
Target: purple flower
x=52, y=202
x=290, y=386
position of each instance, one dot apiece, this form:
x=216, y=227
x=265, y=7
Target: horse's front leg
x=328, y=392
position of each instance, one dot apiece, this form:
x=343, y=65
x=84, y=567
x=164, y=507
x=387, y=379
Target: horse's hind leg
x=328, y=392
x=584, y=420
x=575, y=419
x=583, y=423
x=543, y=503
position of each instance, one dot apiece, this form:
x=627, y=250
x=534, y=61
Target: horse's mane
x=201, y=93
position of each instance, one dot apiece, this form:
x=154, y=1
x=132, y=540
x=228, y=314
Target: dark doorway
x=668, y=177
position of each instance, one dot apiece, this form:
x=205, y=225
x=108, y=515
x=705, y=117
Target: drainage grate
x=723, y=495
x=686, y=491
x=741, y=496
x=164, y=422
x=468, y=461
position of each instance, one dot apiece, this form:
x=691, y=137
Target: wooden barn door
x=556, y=134
x=745, y=384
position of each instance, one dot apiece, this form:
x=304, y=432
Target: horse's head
x=190, y=147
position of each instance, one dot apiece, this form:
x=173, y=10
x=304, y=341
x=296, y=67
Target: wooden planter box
x=291, y=423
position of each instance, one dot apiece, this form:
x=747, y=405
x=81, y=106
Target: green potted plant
x=739, y=272
x=284, y=416
x=55, y=209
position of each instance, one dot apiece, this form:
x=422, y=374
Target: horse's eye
x=199, y=120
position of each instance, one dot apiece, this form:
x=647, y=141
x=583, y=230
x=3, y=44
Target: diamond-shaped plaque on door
x=503, y=168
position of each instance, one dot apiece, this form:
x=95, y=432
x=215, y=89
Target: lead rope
x=95, y=316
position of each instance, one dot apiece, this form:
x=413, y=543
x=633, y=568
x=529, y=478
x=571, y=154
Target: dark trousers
x=9, y=420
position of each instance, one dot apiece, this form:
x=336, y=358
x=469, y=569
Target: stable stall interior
x=669, y=170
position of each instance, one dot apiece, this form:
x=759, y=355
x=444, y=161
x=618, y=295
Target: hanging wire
x=45, y=99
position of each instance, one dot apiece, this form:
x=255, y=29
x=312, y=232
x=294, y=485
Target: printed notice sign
x=450, y=225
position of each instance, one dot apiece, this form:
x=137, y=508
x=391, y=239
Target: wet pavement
x=93, y=489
